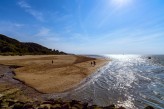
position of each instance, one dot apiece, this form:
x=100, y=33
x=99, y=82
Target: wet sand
x=66, y=71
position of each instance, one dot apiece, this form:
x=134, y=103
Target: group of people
x=93, y=63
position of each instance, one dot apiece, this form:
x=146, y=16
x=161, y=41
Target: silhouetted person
x=52, y=61
x=94, y=63
x=91, y=63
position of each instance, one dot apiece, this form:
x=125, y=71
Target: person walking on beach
x=52, y=61
x=94, y=63
x=91, y=63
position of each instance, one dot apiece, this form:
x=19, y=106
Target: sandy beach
x=64, y=73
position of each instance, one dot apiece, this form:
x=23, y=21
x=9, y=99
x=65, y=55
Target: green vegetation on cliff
x=9, y=46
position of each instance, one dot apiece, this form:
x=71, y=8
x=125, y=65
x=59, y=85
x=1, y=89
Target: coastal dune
x=52, y=73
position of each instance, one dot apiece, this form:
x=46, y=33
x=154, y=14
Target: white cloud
x=10, y=26
x=122, y=41
x=38, y=15
x=23, y=4
x=15, y=30
x=18, y=25
x=47, y=36
x=29, y=9
x=43, y=32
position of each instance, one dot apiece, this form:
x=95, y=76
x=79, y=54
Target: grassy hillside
x=9, y=46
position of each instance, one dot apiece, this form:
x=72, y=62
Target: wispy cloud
x=10, y=26
x=121, y=41
x=46, y=33
x=138, y=42
x=23, y=4
x=29, y=9
x=15, y=30
x=47, y=37
x=43, y=32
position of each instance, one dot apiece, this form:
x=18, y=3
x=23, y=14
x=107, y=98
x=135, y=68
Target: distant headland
x=10, y=46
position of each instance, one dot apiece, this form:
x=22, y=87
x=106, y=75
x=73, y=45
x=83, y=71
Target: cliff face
x=9, y=46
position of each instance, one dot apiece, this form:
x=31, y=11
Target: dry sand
x=39, y=72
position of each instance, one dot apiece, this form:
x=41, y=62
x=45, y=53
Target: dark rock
x=121, y=107
x=65, y=106
x=85, y=105
x=28, y=106
x=2, y=75
x=11, y=102
x=0, y=104
x=18, y=106
x=93, y=107
x=149, y=107
x=40, y=108
x=48, y=102
x=45, y=107
x=109, y=107
x=59, y=101
x=56, y=106
x=51, y=101
x=78, y=106
x=73, y=102
x=1, y=101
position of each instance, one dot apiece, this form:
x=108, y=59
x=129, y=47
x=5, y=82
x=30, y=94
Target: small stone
x=1, y=95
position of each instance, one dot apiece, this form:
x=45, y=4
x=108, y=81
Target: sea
x=132, y=81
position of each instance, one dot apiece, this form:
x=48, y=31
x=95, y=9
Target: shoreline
x=65, y=95
x=11, y=83
x=33, y=93
x=25, y=97
x=72, y=87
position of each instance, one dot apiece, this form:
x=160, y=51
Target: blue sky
x=87, y=26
